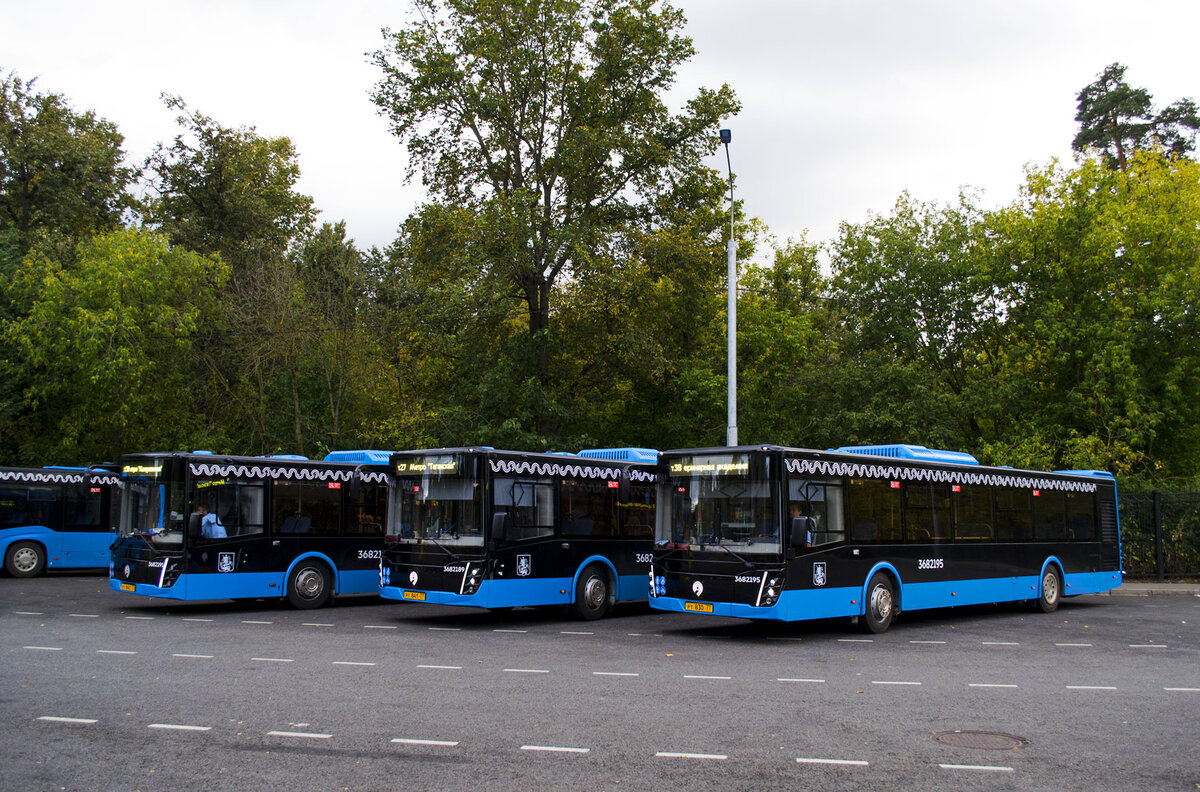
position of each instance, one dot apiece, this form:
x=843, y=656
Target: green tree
x=110, y=344
x=1099, y=271
x=547, y=119
x=227, y=191
x=917, y=326
x=1117, y=119
x=61, y=172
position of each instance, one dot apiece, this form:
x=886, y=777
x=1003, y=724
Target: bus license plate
x=415, y=595
x=698, y=607
x=128, y=587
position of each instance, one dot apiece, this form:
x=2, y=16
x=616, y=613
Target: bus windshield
x=153, y=509
x=715, y=501
x=435, y=501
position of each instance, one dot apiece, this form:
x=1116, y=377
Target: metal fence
x=1160, y=534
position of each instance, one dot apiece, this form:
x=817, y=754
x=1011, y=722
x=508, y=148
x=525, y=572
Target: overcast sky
x=845, y=104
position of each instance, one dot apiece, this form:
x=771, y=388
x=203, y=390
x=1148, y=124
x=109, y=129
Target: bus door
x=531, y=559
x=226, y=528
x=306, y=516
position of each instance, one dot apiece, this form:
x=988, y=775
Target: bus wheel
x=25, y=559
x=1051, y=590
x=592, y=593
x=309, y=585
x=881, y=604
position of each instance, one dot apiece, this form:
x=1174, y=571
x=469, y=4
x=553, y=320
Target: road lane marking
x=701, y=676
x=1090, y=687
x=1083, y=645
x=273, y=659
x=1001, y=643
x=511, y=631
x=446, y=629
x=43, y=648
x=848, y=762
x=140, y=618
x=989, y=685
x=574, y=632
x=255, y=621
x=438, y=743
x=1183, y=690
x=29, y=613
x=889, y=682
x=807, y=681
x=351, y=663
x=85, y=615
x=379, y=627
x=115, y=651
x=441, y=667
x=615, y=673
x=303, y=735
x=195, y=656
x=939, y=643
x=979, y=768
x=194, y=619
x=60, y=719
x=316, y=624
x=676, y=755
x=856, y=640
x=179, y=727
x=555, y=749
x=1147, y=646
x=526, y=671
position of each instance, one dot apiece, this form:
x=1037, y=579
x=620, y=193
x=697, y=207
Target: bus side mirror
x=356, y=485
x=194, y=523
x=499, y=526
x=799, y=535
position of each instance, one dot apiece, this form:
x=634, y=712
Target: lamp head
x=726, y=135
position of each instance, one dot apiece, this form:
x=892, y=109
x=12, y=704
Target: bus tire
x=593, y=593
x=880, y=604
x=1050, y=592
x=25, y=559
x=310, y=585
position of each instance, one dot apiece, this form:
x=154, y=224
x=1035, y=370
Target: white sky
x=845, y=103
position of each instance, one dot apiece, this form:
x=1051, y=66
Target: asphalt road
x=100, y=690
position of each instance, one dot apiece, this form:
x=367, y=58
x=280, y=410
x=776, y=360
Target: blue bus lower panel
x=512, y=593
x=797, y=605
x=234, y=585
x=633, y=588
x=358, y=581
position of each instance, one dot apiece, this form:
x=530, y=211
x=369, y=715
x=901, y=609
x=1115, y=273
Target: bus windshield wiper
x=441, y=547
x=721, y=544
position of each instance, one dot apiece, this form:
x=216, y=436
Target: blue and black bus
x=57, y=518
x=501, y=529
x=765, y=532
x=199, y=526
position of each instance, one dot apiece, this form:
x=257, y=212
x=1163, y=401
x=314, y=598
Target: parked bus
x=57, y=518
x=767, y=532
x=198, y=526
x=501, y=529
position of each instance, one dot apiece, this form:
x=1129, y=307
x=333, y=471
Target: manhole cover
x=992, y=741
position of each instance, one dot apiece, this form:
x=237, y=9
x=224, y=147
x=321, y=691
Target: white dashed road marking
x=555, y=749
x=438, y=743
x=178, y=727
x=849, y=762
x=60, y=719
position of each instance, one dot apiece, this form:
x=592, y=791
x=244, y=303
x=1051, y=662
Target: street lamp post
x=731, y=432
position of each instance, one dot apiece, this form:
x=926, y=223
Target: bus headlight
x=472, y=579
x=772, y=587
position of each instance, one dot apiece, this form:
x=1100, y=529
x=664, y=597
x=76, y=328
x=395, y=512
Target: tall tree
x=227, y=191
x=1116, y=119
x=548, y=119
x=60, y=171
x=110, y=342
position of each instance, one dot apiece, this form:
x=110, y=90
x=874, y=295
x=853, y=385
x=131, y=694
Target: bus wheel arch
x=595, y=592
x=1050, y=588
x=310, y=583
x=25, y=559
x=881, y=601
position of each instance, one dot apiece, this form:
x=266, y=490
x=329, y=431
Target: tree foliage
x=547, y=120
x=1117, y=119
